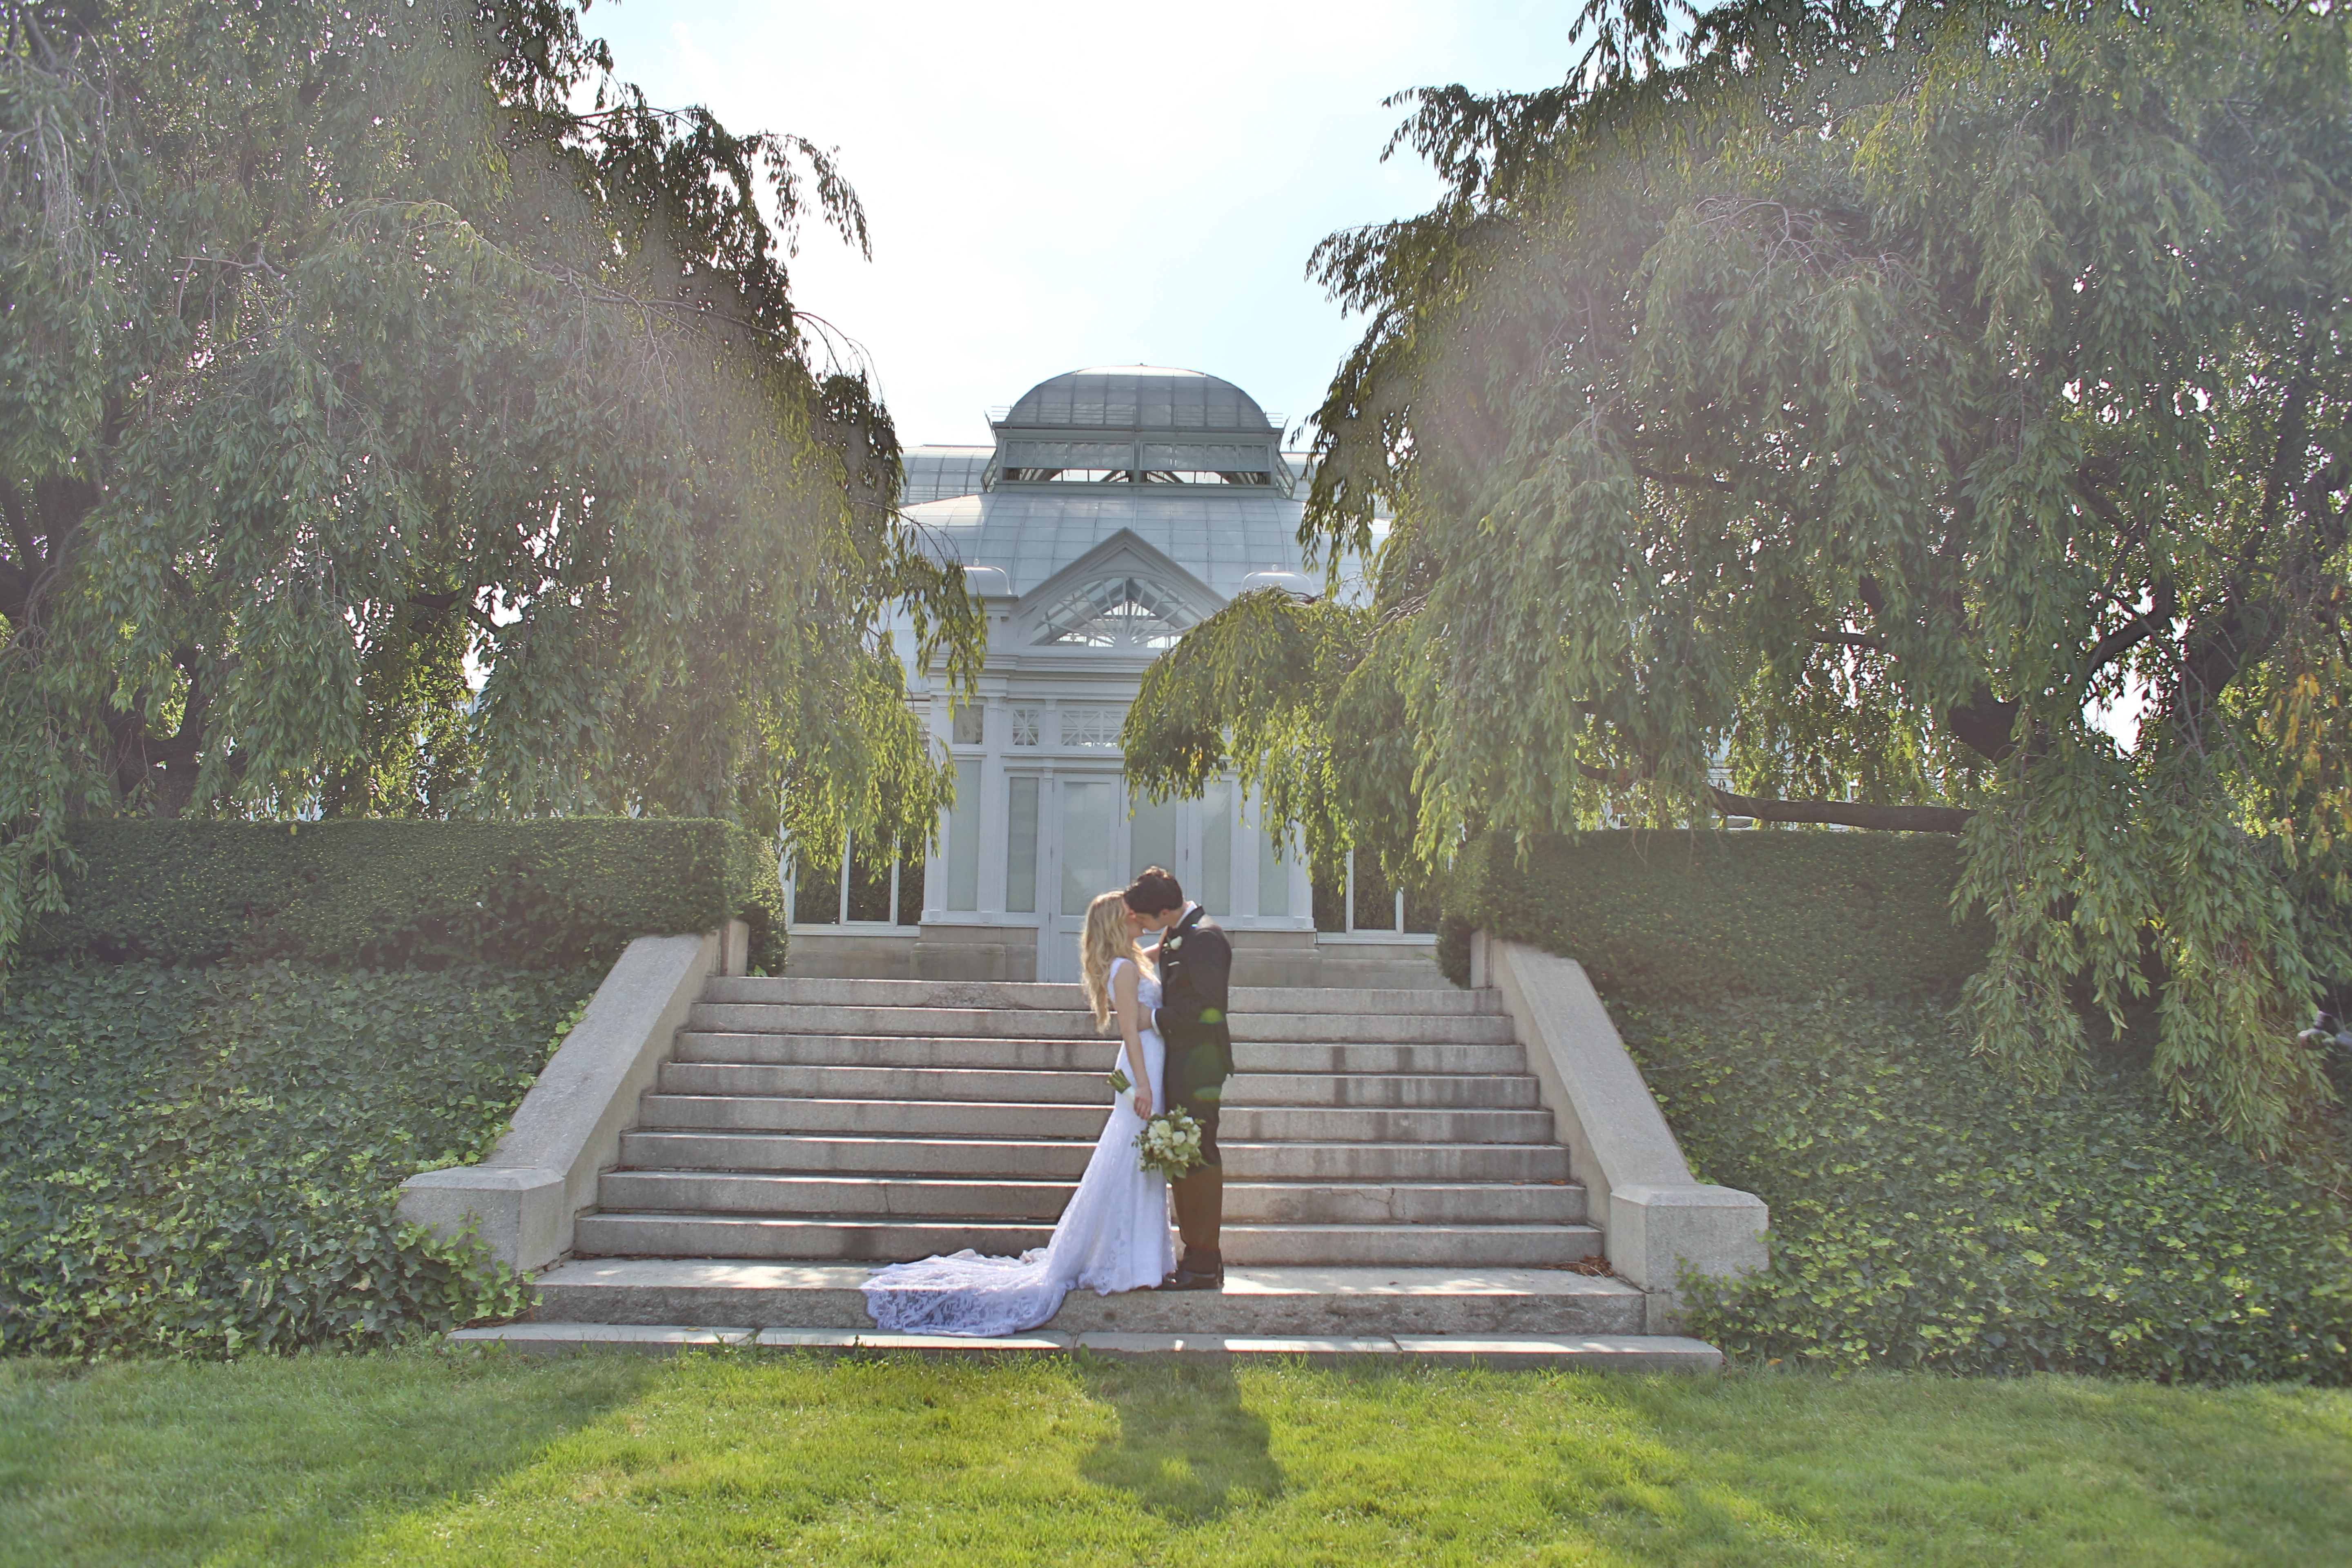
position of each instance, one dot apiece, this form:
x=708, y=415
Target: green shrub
x=1926, y=1212
x=208, y=1161
x=388, y=893
x=1696, y=917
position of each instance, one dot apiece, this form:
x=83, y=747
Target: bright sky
x=1052, y=186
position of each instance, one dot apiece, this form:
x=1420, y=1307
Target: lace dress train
x=1114, y=1235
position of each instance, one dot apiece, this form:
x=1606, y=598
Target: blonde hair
x=1103, y=943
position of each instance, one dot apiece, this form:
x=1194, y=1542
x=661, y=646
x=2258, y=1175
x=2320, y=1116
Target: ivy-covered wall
x=1787, y=997
x=1928, y=1212
x=208, y=1161
x=391, y=893
x=218, y=1065
x=1680, y=917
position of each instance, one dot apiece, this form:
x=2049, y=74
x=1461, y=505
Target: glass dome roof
x=1136, y=398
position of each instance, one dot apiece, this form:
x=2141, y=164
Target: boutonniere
x=1173, y=943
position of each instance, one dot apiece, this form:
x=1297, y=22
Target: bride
x=1114, y=1234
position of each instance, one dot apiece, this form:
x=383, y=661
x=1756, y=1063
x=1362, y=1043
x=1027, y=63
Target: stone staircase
x=1391, y=1175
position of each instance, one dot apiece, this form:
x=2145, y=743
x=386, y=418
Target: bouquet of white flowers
x=1170, y=1142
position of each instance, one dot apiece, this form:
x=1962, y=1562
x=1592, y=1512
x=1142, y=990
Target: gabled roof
x=1121, y=599
x=1123, y=552
x=1033, y=533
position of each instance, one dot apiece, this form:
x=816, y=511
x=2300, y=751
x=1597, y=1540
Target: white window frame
x=1395, y=934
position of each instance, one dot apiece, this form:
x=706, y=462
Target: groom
x=1195, y=963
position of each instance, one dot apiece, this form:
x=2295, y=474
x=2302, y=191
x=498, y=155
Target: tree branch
x=1836, y=812
x=2214, y=650
x=2156, y=618
x=20, y=531
x=1844, y=812
x=2117, y=643
x=1688, y=481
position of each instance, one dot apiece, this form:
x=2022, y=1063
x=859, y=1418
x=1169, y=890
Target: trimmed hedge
x=1924, y=1213
x=208, y=1162
x=1670, y=917
x=370, y=893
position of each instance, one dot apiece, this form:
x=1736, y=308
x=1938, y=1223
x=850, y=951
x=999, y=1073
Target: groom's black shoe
x=1198, y=1271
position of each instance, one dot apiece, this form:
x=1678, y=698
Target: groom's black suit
x=1196, y=965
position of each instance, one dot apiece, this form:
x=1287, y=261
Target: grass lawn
x=420, y=1457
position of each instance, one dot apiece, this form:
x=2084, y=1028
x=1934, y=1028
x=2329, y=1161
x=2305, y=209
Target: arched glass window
x=1117, y=612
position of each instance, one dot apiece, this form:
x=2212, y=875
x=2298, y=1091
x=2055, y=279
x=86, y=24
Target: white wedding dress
x=1113, y=1235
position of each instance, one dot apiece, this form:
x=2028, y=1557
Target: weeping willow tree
x=400, y=415
x=1905, y=416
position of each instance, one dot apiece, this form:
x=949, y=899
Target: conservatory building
x=1117, y=507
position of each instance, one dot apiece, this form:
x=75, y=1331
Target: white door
x=1086, y=820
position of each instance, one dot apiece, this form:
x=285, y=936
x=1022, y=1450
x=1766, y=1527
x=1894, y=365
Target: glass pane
x=1021, y=845
x=910, y=889
x=817, y=894
x=1091, y=727
x=1420, y=909
x=964, y=839
x=1331, y=891
x=869, y=883
x=969, y=720
x=1117, y=612
x=1086, y=843
x=1375, y=899
x=1273, y=874
x=1152, y=838
x=1216, y=891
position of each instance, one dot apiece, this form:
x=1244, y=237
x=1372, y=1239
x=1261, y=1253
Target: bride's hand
x=1143, y=1103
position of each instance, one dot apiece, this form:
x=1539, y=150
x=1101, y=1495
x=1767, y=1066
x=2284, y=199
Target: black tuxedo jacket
x=1196, y=966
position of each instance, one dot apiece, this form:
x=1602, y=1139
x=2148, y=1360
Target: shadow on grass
x=1186, y=1448
x=269, y=1461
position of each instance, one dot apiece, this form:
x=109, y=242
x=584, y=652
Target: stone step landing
x=1602, y=1352
x=1270, y=1302
x=1492, y=1317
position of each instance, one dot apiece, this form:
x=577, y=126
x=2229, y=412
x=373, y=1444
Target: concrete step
x=875, y=1117
x=994, y=995
x=1037, y=1086
x=1368, y=1124
x=1614, y=1353
x=903, y=1197
x=657, y=1234
x=1243, y=1123
x=1048, y=1056
x=1024, y=1024
x=1066, y=1158
x=1256, y=1300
